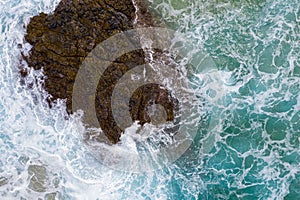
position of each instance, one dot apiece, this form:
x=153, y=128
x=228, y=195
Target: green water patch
x=255, y=152
x=294, y=189
x=216, y=6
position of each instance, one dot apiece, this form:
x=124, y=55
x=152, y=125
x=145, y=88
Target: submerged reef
x=62, y=40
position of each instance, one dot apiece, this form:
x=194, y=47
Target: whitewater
x=247, y=146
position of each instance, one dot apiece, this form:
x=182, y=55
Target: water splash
x=257, y=42
x=253, y=145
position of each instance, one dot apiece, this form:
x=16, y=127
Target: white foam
x=30, y=133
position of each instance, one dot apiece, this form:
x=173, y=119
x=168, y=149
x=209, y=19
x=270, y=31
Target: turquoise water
x=247, y=147
x=256, y=155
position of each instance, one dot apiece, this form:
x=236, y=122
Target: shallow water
x=247, y=148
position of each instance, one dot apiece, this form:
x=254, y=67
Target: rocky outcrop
x=63, y=39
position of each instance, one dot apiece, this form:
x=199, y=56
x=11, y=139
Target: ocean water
x=247, y=146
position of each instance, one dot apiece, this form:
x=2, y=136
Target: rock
x=151, y=94
x=38, y=176
x=62, y=40
x=3, y=181
x=51, y=196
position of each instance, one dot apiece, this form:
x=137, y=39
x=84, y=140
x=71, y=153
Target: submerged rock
x=38, y=178
x=3, y=181
x=52, y=196
x=63, y=39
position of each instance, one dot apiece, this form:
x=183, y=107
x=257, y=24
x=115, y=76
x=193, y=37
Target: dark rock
x=148, y=95
x=3, y=181
x=62, y=40
x=38, y=178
